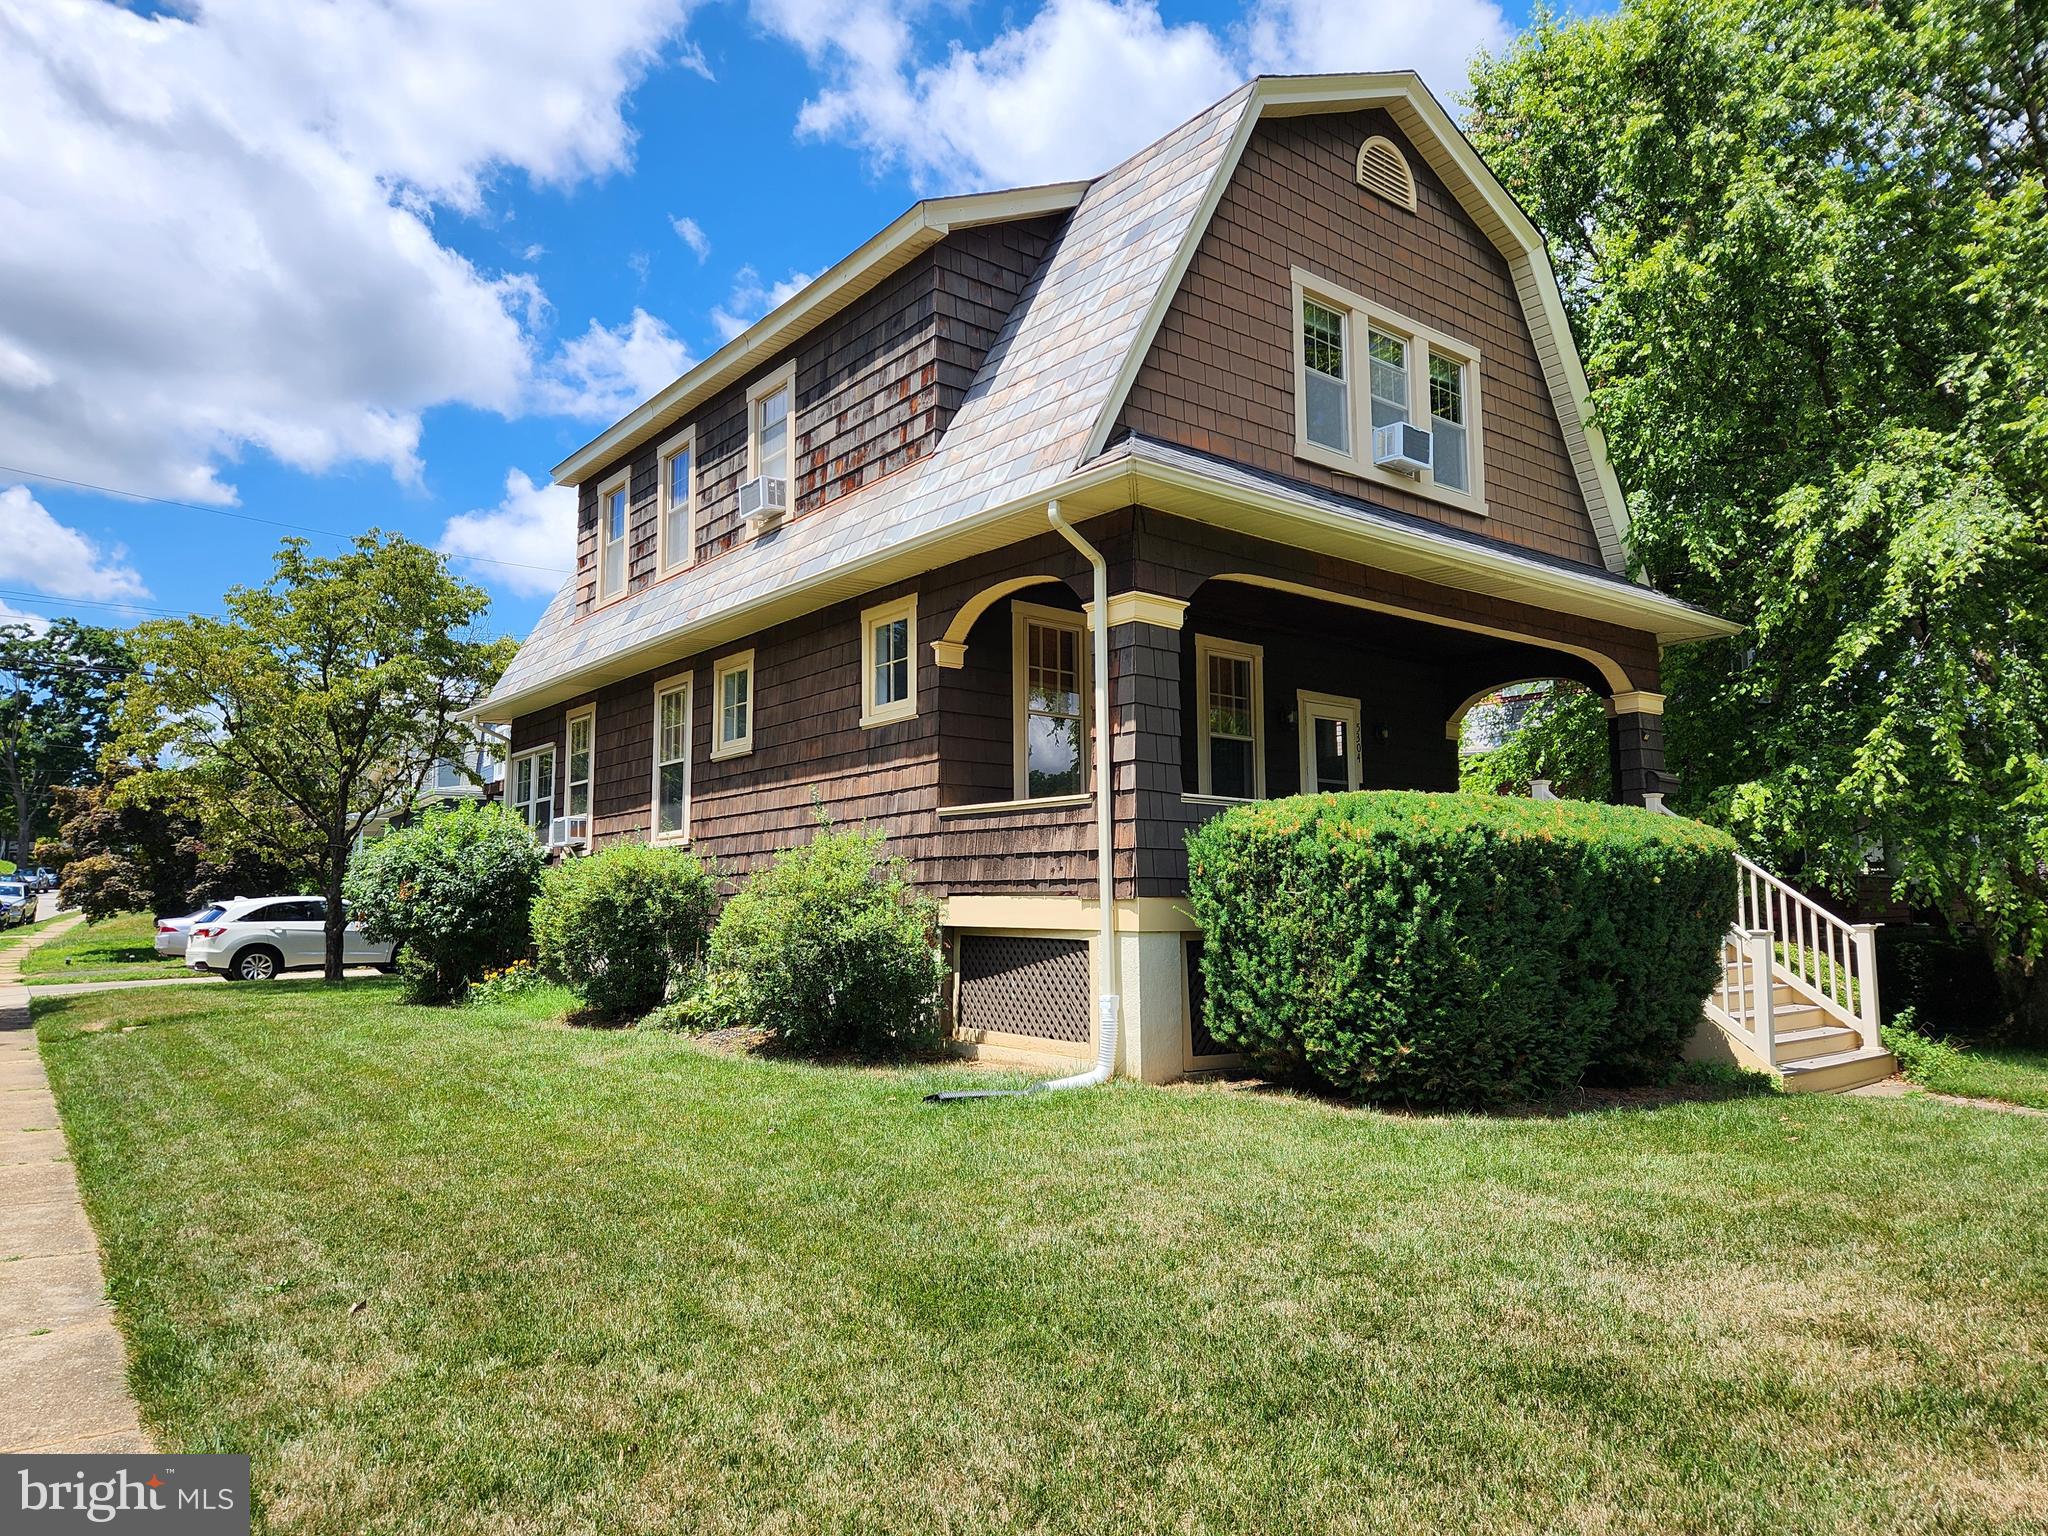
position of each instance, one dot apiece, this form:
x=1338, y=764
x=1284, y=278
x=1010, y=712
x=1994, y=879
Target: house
x=1298, y=375
x=477, y=773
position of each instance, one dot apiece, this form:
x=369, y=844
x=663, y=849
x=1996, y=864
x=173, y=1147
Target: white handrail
x=1743, y=999
x=1833, y=960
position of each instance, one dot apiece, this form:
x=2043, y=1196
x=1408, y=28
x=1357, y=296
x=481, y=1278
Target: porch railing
x=1742, y=1002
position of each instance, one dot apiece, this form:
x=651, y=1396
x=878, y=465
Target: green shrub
x=619, y=925
x=519, y=979
x=829, y=946
x=1922, y=1058
x=452, y=892
x=1458, y=949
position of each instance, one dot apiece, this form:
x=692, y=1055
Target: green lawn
x=460, y=1271
x=113, y=949
x=2017, y=1074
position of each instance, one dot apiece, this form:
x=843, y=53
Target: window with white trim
x=613, y=520
x=888, y=662
x=770, y=404
x=581, y=732
x=732, y=690
x=1412, y=374
x=672, y=761
x=533, y=788
x=677, y=530
x=1049, y=655
x=1230, y=688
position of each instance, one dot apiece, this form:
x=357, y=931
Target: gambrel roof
x=1037, y=418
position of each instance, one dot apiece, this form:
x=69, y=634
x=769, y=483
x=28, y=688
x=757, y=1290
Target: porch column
x=1635, y=746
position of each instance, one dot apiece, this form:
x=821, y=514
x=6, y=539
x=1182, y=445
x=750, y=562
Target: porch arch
x=950, y=649
x=1454, y=728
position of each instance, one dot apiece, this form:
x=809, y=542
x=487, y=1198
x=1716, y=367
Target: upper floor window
x=769, y=406
x=1230, y=701
x=889, y=662
x=1413, y=374
x=612, y=523
x=677, y=530
x=732, y=684
x=1049, y=651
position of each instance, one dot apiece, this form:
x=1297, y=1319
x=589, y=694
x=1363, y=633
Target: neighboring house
x=820, y=564
x=478, y=774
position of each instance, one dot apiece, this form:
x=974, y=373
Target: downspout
x=1110, y=1002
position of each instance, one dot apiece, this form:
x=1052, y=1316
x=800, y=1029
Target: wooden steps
x=1812, y=1049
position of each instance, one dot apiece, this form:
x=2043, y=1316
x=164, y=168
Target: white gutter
x=1110, y=1002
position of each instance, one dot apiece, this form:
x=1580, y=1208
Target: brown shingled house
x=1299, y=372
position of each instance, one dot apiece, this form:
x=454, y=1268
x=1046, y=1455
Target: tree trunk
x=337, y=919
x=2024, y=984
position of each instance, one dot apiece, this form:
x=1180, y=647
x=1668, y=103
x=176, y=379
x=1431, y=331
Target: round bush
x=1458, y=949
x=619, y=925
x=452, y=892
x=831, y=947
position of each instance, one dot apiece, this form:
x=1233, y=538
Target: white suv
x=254, y=938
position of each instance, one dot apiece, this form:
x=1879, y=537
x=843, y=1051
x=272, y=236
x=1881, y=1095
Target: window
x=1229, y=704
x=1048, y=650
x=768, y=411
x=672, y=761
x=676, y=533
x=611, y=540
x=732, y=687
x=888, y=656
x=582, y=733
x=1413, y=374
x=1322, y=360
x=533, y=787
x=448, y=776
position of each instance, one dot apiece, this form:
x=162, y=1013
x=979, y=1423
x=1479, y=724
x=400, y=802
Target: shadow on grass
x=1689, y=1083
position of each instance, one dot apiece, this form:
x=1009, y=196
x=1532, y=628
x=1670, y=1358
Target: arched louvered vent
x=1383, y=169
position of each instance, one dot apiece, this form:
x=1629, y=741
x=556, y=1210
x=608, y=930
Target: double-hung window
x=769, y=405
x=732, y=693
x=1412, y=374
x=1230, y=689
x=533, y=787
x=581, y=731
x=888, y=662
x=672, y=761
x=613, y=520
x=1049, y=651
x=677, y=531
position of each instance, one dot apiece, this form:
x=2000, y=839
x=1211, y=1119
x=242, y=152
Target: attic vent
x=1383, y=169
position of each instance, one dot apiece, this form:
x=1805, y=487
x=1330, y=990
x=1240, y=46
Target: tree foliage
x=336, y=685
x=1562, y=738
x=56, y=689
x=1805, y=253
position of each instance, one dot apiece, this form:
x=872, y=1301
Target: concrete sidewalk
x=63, y=1373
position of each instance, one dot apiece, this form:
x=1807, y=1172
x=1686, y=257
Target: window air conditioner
x=569, y=832
x=1401, y=448
x=764, y=502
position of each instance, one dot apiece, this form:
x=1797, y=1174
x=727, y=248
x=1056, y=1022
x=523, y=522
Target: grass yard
x=112, y=949
x=2016, y=1074
x=462, y=1271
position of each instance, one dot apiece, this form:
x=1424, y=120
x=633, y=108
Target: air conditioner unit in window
x=764, y=502
x=1401, y=448
x=569, y=832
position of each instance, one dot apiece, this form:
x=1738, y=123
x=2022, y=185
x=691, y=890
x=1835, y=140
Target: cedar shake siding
x=875, y=388
x=1409, y=676
x=1219, y=377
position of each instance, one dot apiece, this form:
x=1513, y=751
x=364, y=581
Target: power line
x=246, y=517
x=87, y=602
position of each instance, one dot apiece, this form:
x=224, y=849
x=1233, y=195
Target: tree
x=55, y=698
x=1562, y=738
x=335, y=685
x=1805, y=255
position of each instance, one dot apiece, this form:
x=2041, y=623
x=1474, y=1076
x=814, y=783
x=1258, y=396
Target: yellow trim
x=739, y=661
x=622, y=483
x=1636, y=702
x=684, y=683
x=567, y=766
x=950, y=649
x=1310, y=706
x=1065, y=915
x=905, y=708
x=1207, y=646
x=1022, y=616
x=684, y=441
x=997, y=807
x=1142, y=608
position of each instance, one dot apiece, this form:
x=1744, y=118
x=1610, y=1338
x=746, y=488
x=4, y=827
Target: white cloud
x=1083, y=83
x=691, y=233
x=216, y=224
x=38, y=552
x=604, y=373
x=751, y=298
x=529, y=538
x=34, y=622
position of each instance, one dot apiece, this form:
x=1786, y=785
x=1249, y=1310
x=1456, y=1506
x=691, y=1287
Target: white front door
x=1329, y=743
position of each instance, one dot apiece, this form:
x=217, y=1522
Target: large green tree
x=335, y=686
x=56, y=688
x=1804, y=250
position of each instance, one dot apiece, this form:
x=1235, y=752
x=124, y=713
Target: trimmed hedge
x=1458, y=949
x=622, y=924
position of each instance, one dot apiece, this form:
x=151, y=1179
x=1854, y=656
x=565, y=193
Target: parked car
x=256, y=937
x=17, y=902
x=172, y=932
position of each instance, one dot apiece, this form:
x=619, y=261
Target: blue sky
x=380, y=262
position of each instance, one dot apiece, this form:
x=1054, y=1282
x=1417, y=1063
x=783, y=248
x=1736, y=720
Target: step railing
x=1742, y=1003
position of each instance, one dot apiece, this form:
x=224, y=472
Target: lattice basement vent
x=1383, y=169
x=1200, y=1041
x=1036, y=987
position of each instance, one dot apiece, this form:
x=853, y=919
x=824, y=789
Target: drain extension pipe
x=1105, y=852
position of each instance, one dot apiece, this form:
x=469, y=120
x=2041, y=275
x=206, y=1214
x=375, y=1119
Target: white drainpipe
x=1105, y=851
